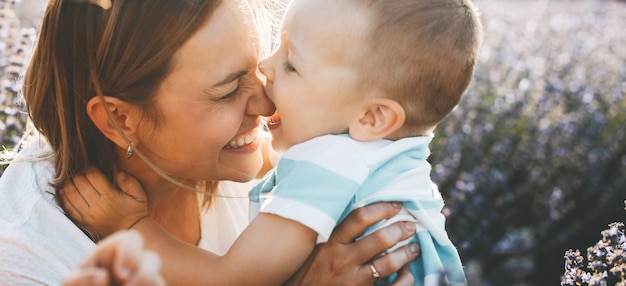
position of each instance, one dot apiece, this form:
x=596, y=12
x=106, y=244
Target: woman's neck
x=178, y=212
x=174, y=208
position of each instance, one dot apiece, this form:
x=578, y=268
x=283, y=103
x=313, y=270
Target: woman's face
x=212, y=102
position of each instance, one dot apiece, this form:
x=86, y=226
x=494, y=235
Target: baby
x=381, y=75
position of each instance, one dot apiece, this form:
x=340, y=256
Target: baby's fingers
x=87, y=277
x=120, y=251
x=92, y=185
x=131, y=187
x=95, y=183
x=134, y=265
x=73, y=202
x=148, y=273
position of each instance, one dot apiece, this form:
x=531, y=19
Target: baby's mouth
x=274, y=119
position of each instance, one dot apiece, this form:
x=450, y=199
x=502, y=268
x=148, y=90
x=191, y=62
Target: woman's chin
x=242, y=171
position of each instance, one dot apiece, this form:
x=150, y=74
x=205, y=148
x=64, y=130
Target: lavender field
x=532, y=163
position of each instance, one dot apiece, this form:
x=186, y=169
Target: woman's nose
x=259, y=103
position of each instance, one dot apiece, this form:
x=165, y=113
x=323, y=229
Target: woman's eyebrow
x=231, y=77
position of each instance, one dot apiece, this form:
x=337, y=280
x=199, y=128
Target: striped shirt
x=319, y=182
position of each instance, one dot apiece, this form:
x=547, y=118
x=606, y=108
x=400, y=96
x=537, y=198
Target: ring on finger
x=374, y=272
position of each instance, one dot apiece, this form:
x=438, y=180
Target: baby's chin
x=279, y=145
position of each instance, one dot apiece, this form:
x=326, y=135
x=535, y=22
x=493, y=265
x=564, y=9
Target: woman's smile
x=245, y=142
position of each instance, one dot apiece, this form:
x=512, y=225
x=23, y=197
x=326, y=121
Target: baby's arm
x=269, y=251
x=272, y=248
x=94, y=203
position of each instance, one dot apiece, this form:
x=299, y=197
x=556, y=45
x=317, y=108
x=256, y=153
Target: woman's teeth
x=242, y=141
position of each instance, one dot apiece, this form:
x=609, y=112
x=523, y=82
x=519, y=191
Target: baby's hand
x=94, y=204
x=120, y=259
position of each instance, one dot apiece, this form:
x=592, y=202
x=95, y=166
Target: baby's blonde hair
x=420, y=53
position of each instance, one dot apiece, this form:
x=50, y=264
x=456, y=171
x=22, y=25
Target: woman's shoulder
x=26, y=181
x=38, y=242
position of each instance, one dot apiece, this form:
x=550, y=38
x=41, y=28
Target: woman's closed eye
x=244, y=83
x=231, y=94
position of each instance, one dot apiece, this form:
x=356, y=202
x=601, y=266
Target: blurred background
x=533, y=160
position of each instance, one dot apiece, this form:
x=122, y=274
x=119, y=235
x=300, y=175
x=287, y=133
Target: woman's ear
x=379, y=119
x=120, y=113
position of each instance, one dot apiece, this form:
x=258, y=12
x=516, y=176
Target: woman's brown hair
x=87, y=49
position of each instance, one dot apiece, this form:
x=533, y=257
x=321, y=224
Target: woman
x=168, y=92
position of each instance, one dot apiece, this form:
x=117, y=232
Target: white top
x=227, y=217
x=40, y=245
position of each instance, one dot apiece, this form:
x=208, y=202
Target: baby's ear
x=119, y=119
x=378, y=120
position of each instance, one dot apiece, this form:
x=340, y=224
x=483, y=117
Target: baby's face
x=311, y=77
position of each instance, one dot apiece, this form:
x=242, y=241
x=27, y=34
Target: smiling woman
x=221, y=105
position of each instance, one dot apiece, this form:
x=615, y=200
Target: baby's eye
x=289, y=67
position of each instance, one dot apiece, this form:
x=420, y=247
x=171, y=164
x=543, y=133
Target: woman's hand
x=96, y=205
x=344, y=261
x=119, y=259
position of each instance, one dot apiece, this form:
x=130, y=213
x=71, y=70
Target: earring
x=129, y=151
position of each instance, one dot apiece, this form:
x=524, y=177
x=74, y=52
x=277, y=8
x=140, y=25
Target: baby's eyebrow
x=293, y=49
